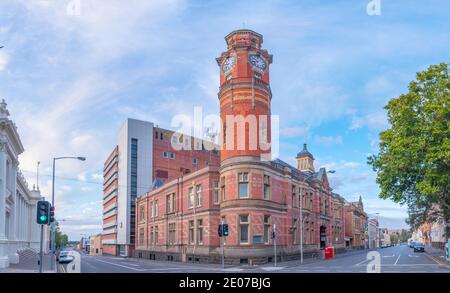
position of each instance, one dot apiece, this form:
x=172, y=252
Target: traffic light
x=219, y=231
x=225, y=230
x=52, y=214
x=43, y=212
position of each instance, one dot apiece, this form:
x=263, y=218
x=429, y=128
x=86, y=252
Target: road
x=391, y=260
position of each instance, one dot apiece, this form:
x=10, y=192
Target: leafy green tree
x=61, y=239
x=413, y=163
x=404, y=235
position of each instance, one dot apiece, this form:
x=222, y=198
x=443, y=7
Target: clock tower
x=245, y=97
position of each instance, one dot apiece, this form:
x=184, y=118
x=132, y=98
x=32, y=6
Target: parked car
x=418, y=247
x=65, y=257
x=411, y=244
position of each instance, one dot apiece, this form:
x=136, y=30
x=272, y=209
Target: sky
x=72, y=71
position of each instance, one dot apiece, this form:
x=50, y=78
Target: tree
x=61, y=239
x=404, y=235
x=413, y=163
x=393, y=238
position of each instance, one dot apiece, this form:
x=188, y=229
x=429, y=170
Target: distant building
x=18, y=227
x=355, y=224
x=142, y=160
x=95, y=246
x=374, y=241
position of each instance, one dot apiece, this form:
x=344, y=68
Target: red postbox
x=328, y=252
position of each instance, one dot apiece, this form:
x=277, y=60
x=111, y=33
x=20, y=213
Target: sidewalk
x=438, y=255
x=29, y=265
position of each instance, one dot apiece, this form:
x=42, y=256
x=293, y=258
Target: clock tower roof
x=244, y=38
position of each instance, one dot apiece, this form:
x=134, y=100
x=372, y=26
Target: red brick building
x=251, y=193
x=356, y=225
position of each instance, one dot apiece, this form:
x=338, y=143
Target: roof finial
x=3, y=111
x=304, y=147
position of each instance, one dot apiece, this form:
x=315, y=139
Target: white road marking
x=412, y=255
x=389, y=255
x=131, y=268
x=397, y=260
x=272, y=268
x=360, y=263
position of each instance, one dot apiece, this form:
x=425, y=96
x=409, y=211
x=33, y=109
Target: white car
x=65, y=257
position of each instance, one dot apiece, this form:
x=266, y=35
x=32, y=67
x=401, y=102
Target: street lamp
x=53, y=244
x=301, y=214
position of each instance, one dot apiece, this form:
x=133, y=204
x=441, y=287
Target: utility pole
x=222, y=242
x=274, y=236
x=41, y=252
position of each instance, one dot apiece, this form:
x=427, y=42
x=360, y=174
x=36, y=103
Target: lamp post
x=53, y=244
x=301, y=215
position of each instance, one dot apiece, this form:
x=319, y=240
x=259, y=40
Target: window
x=194, y=161
x=152, y=207
x=156, y=235
x=171, y=203
x=141, y=236
x=142, y=213
x=191, y=232
x=207, y=163
x=266, y=228
x=199, y=231
x=243, y=229
x=172, y=233
x=222, y=188
x=172, y=156
x=257, y=75
x=243, y=185
x=216, y=192
x=228, y=77
x=156, y=208
x=161, y=136
x=133, y=170
x=165, y=155
x=191, y=197
x=224, y=131
x=266, y=187
x=152, y=236
x=199, y=195
x=156, y=134
x=293, y=195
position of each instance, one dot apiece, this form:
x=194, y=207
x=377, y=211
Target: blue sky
x=71, y=80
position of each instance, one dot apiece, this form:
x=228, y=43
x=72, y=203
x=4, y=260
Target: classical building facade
x=18, y=228
x=249, y=191
x=144, y=158
x=373, y=231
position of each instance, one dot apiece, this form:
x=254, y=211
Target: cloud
x=294, y=132
x=3, y=60
x=373, y=121
x=328, y=140
x=97, y=176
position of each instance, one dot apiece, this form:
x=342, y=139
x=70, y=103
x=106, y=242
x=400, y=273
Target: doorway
x=323, y=236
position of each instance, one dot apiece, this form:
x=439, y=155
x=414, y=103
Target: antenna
x=37, y=175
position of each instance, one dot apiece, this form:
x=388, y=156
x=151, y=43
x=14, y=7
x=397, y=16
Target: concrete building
x=254, y=194
x=373, y=231
x=142, y=160
x=95, y=245
x=18, y=228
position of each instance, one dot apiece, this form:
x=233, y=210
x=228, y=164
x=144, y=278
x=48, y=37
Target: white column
x=13, y=229
x=4, y=260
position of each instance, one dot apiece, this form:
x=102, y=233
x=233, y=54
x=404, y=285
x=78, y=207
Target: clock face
x=257, y=61
x=228, y=63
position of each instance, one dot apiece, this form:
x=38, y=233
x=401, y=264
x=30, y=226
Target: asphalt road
x=387, y=260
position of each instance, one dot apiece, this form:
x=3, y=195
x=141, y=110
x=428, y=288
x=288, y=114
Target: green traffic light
x=43, y=218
